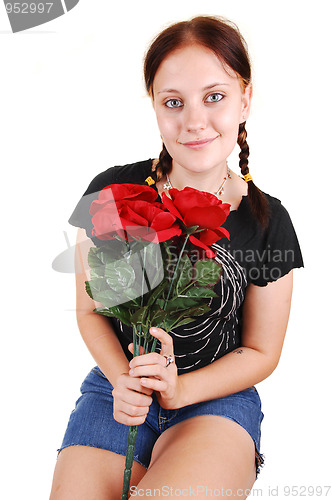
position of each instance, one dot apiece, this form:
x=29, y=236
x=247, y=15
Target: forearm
x=103, y=345
x=234, y=372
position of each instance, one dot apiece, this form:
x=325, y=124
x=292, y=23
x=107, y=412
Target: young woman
x=198, y=411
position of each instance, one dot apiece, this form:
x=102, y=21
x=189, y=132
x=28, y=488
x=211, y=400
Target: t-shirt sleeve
x=81, y=216
x=280, y=250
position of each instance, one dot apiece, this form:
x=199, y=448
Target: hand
x=131, y=400
x=151, y=371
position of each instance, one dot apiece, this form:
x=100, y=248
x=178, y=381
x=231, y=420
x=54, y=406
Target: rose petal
x=129, y=191
x=211, y=236
x=210, y=217
x=209, y=252
x=168, y=203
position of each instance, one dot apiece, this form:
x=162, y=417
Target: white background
x=72, y=105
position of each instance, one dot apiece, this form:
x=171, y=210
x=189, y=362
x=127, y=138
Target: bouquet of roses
x=154, y=265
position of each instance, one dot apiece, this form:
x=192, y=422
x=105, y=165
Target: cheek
x=228, y=121
x=168, y=126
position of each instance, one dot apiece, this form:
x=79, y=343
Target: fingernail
x=153, y=330
x=131, y=372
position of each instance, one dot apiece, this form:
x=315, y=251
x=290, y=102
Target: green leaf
x=197, y=310
x=107, y=254
x=157, y=316
x=180, y=303
x=200, y=292
x=154, y=264
x=173, y=321
x=131, y=293
x=94, y=260
x=109, y=298
x=207, y=272
x=96, y=272
x=97, y=284
x=119, y=275
x=184, y=321
x=88, y=289
x=139, y=317
x=157, y=292
x=117, y=312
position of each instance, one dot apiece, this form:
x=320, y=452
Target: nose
x=194, y=118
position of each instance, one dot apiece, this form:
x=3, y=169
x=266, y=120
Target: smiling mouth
x=198, y=144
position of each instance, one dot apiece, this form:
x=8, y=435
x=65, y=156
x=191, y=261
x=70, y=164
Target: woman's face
x=199, y=107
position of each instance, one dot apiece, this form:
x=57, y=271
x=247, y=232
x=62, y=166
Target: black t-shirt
x=251, y=256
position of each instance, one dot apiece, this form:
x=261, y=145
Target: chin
x=200, y=164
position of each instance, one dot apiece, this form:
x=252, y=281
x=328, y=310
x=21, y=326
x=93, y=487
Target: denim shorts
x=92, y=423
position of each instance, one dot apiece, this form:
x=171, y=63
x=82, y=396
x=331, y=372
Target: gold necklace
x=168, y=185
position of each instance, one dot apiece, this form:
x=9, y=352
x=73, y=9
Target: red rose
x=122, y=192
x=129, y=210
x=198, y=208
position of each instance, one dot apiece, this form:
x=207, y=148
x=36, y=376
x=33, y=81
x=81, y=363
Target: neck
x=209, y=180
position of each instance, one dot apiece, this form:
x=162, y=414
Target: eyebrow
x=208, y=87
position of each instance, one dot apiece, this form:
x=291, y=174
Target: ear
x=246, y=103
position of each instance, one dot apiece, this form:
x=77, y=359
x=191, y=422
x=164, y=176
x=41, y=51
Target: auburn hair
x=224, y=39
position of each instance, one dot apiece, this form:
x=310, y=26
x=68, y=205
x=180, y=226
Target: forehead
x=192, y=66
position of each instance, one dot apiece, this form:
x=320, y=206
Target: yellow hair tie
x=248, y=178
x=149, y=180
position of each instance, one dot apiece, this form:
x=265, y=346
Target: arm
x=265, y=317
x=95, y=329
x=131, y=400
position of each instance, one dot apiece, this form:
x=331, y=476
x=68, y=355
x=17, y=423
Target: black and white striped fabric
x=251, y=257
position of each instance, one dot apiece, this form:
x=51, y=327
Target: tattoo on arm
x=238, y=351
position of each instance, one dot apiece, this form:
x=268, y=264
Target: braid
x=244, y=153
x=164, y=164
x=257, y=200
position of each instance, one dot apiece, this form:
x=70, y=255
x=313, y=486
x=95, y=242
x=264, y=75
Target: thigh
x=92, y=424
x=87, y=473
x=201, y=454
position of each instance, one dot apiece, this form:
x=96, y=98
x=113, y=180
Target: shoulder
x=274, y=203
x=278, y=213
x=120, y=174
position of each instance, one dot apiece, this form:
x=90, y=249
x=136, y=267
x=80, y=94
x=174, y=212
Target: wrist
x=181, y=398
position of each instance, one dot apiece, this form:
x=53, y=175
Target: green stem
x=145, y=276
x=132, y=433
x=176, y=268
x=134, y=341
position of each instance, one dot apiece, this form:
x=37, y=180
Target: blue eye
x=215, y=97
x=173, y=103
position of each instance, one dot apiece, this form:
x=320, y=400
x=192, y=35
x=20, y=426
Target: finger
x=153, y=358
x=131, y=349
x=132, y=410
x=165, y=340
x=135, y=398
x=125, y=419
x=133, y=384
x=155, y=384
x=149, y=371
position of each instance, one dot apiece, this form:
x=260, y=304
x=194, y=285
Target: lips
x=199, y=144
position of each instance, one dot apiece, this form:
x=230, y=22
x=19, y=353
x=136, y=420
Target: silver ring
x=169, y=360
